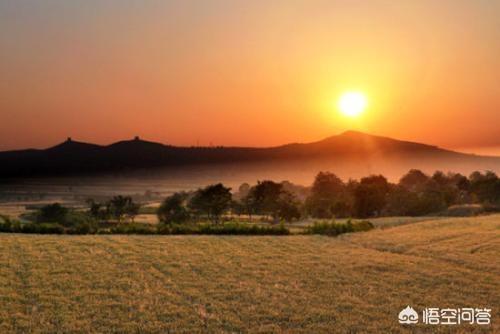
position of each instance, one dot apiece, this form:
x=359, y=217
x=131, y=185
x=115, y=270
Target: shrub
x=224, y=229
x=466, y=210
x=9, y=226
x=75, y=218
x=84, y=227
x=334, y=229
x=43, y=228
x=89, y=226
x=491, y=208
x=362, y=226
x=167, y=229
x=243, y=229
x=132, y=229
x=325, y=228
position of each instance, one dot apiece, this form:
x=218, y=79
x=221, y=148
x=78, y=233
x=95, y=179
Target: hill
x=348, y=148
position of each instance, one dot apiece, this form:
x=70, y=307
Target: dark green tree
x=238, y=208
x=414, y=180
x=288, y=207
x=52, y=213
x=212, y=201
x=120, y=207
x=329, y=197
x=265, y=198
x=132, y=210
x=97, y=210
x=370, y=196
x=173, y=209
x=247, y=205
x=485, y=187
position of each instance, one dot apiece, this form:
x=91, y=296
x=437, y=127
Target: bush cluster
x=131, y=229
x=31, y=228
x=223, y=229
x=334, y=229
x=142, y=229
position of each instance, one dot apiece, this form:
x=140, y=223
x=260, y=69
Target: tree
x=238, y=208
x=173, y=209
x=461, y=181
x=414, y=180
x=370, y=196
x=269, y=198
x=52, y=213
x=328, y=197
x=265, y=198
x=298, y=191
x=212, y=201
x=446, y=186
x=97, y=210
x=122, y=206
x=242, y=201
x=403, y=202
x=243, y=191
x=327, y=184
x=132, y=210
x=432, y=200
x=288, y=207
x=247, y=205
x=486, y=187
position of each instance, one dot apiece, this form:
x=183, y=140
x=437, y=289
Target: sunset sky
x=252, y=73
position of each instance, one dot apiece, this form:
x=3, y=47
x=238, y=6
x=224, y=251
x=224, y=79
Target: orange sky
x=253, y=73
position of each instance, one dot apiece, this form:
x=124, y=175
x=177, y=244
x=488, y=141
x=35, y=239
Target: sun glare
x=352, y=104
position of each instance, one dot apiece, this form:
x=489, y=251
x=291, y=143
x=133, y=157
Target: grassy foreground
x=293, y=284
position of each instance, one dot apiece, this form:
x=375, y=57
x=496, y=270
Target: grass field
x=295, y=284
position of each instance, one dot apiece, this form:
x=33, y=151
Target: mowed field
x=355, y=283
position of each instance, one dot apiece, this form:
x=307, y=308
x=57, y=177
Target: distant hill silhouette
x=75, y=158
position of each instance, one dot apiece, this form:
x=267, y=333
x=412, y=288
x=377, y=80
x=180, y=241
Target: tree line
x=212, y=209
x=267, y=199
x=415, y=194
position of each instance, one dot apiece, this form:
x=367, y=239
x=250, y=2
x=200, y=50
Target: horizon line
x=462, y=150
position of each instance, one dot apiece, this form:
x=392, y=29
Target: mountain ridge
x=345, y=134
x=74, y=157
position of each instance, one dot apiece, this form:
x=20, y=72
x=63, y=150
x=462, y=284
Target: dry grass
x=297, y=284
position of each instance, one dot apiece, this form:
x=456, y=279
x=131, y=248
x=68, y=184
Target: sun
x=352, y=104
